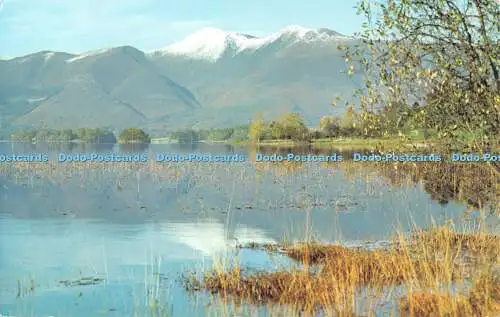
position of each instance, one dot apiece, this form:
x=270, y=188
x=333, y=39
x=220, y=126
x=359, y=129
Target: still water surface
x=138, y=228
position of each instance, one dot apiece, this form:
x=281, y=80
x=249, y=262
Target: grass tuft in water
x=433, y=268
x=482, y=300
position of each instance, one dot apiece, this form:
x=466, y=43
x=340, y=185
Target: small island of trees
x=134, y=135
x=87, y=135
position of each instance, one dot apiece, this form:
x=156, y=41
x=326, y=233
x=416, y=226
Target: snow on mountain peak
x=301, y=34
x=207, y=43
x=48, y=56
x=295, y=30
x=211, y=43
x=88, y=54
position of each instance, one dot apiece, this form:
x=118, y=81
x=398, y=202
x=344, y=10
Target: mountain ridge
x=204, y=34
x=296, y=69
x=211, y=43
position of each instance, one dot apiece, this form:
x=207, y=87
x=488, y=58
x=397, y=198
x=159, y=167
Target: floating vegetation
x=270, y=247
x=84, y=281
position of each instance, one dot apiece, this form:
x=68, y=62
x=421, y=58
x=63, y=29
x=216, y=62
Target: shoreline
x=316, y=144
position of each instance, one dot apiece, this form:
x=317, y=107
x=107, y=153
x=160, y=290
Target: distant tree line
x=396, y=121
x=87, y=135
x=90, y=135
x=351, y=124
x=402, y=121
x=234, y=134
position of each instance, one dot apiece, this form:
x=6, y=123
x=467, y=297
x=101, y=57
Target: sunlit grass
x=427, y=265
x=483, y=299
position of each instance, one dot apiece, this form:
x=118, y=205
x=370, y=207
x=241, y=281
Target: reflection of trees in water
x=60, y=147
x=298, y=150
x=476, y=185
x=286, y=168
x=133, y=147
x=278, y=168
x=218, y=148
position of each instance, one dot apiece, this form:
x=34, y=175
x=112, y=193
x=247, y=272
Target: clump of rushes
x=297, y=288
x=332, y=277
x=482, y=300
x=431, y=304
x=443, y=239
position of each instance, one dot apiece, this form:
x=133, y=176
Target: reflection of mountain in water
x=211, y=237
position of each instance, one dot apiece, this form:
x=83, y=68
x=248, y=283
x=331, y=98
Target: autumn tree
x=439, y=54
x=134, y=135
x=275, y=130
x=257, y=128
x=293, y=127
x=329, y=126
x=349, y=122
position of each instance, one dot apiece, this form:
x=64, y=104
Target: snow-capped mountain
x=212, y=43
x=211, y=78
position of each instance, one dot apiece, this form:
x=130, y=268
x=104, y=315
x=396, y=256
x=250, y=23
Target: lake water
x=136, y=228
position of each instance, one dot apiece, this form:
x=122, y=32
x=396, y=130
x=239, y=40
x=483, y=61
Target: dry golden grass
x=331, y=277
x=484, y=297
x=482, y=300
x=301, y=290
x=434, y=304
x=480, y=244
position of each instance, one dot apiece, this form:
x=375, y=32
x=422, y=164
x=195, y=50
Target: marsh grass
x=25, y=287
x=432, y=268
x=483, y=300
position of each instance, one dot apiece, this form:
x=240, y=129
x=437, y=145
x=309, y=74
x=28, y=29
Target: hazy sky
x=74, y=26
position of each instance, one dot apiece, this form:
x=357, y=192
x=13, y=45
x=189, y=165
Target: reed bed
x=432, y=268
x=444, y=182
x=482, y=300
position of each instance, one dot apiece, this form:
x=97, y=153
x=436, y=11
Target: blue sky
x=74, y=26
